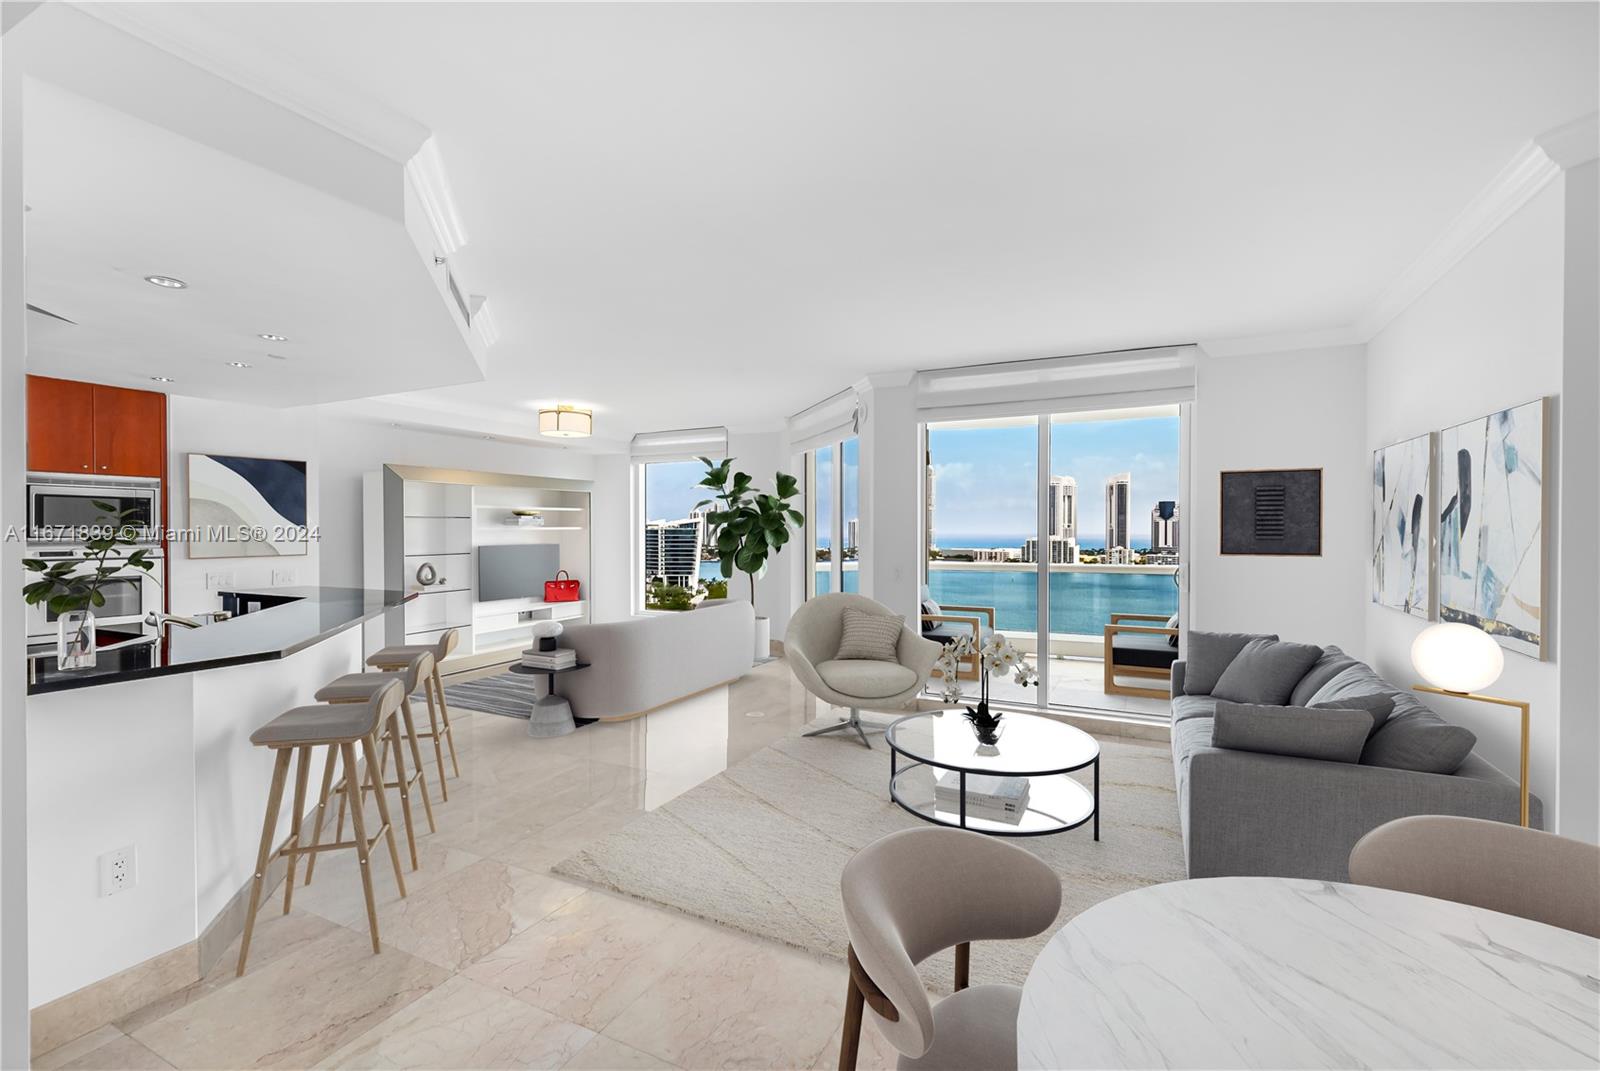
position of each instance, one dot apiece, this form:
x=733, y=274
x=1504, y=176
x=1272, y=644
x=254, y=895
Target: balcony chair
x=943, y=627
x=812, y=641
x=1140, y=651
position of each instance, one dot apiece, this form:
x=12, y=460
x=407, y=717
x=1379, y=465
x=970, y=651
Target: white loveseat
x=642, y=663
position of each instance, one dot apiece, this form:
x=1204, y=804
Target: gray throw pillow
x=1209, y=654
x=1265, y=671
x=931, y=607
x=872, y=637
x=1379, y=706
x=1332, y=662
x=1418, y=739
x=1299, y=732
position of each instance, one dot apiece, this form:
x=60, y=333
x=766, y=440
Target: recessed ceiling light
x=274, y=338
x=237, y=364
x=277, y=357
x=167, y=281
x=489, y=437
x=163, y=379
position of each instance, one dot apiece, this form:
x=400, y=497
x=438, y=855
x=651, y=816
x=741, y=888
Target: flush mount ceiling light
x=566, y=422
x=237, y=364
x=167, y=281
x=274, y=338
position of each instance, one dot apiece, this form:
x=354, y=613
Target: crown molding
x=1574, y=144
x=175, y=29
x=1282, y=342
x=483, y=321
x=1529, y=172
x=425, y=171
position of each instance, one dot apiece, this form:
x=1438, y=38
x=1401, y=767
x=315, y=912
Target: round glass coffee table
x=950, y=767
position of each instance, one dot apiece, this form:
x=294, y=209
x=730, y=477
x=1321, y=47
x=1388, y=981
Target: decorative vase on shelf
x=75, y=640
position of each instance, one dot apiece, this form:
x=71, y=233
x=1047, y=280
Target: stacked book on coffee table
x=996, y=799
x=560, y=658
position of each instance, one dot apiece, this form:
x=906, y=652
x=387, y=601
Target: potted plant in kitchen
x=70, y=588
x=996, y=657
x=748, y=527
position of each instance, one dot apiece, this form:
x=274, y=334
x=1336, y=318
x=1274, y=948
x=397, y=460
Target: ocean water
x=1081, y=603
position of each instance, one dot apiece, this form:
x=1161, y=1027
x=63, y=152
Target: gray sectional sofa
x=1255, y=813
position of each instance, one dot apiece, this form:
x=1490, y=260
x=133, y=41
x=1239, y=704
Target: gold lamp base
x=1497, y=701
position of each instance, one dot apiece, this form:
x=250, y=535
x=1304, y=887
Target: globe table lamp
x=545, y=633
x=1458, y=660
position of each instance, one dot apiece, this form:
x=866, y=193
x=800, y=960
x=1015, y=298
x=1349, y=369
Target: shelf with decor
x=454, y=522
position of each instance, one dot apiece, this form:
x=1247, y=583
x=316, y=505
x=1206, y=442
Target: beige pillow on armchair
x=874, y=637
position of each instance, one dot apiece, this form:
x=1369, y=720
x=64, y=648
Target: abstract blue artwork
x=246, y=507
x=1402, y=526
x=1492, y=525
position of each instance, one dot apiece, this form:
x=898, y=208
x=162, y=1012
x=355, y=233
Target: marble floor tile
x=463, y=1024
x=591, y=958
x=543, y=848
x=295, y=1010
x=276, y=936
x=874, y=1053
x=476, y=910
x=609, y=1054
x=737, y=1001
x=114, y=1053
x=335, y=891
x=81, y=1046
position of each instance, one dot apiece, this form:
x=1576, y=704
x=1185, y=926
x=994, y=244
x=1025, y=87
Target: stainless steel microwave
x=63, y=509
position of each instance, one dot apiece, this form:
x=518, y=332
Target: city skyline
x=985, y=477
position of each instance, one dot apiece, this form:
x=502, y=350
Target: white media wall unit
x=423, y=530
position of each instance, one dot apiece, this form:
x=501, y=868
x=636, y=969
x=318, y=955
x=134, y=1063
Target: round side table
x=552, y=714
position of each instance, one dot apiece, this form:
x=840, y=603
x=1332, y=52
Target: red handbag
x=561, y=590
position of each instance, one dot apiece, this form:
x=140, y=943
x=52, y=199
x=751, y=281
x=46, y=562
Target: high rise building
x=1063, y=550
x=851, y=529
x=1064, y=508
x=1119, y=490
x=698, y=514
x=1164, y=526
x=927, y=495
x=672, y=551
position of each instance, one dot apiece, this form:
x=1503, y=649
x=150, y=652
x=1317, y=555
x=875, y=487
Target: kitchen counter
x=314, y=615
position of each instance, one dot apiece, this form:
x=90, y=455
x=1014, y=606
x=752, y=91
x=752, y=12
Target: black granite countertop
x=316, y=614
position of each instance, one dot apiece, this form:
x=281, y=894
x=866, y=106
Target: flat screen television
x=517, y=571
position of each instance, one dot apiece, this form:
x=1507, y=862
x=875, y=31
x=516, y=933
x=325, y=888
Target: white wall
x=612, y=520
x=1487, y=336
x=340, y=450
x=1302, y=409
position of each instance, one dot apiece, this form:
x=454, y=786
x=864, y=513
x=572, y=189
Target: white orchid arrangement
x=996, y=656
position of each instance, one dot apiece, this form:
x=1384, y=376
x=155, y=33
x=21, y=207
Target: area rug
x=510, y=695
x=760, y=847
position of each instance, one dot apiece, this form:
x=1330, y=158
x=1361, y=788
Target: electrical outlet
x=219, y=580
x=119, y=871
x=282, y=577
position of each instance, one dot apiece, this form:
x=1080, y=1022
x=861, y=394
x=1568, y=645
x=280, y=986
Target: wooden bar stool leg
x=438, y=748
x=344, y=797
x=416, y=761
x=322, y=808
x=444, y=713
x=375, y=776
x=352, y=791
x=393, y=737
x=302, y=771
x=280, y=771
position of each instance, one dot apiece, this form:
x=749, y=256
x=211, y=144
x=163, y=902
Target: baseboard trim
x=99, y=1003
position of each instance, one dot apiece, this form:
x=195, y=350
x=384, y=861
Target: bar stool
x=399, y=656
x=300, y=730
x=359, y=688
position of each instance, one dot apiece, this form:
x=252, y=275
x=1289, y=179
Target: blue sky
x=985, y=477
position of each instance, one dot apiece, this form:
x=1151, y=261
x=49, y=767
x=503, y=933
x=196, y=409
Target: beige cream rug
x=760, y=847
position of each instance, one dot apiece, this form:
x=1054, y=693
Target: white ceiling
x=690, y=215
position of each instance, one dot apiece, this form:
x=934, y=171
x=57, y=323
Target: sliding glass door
x=833, y=512
x=1055, y=527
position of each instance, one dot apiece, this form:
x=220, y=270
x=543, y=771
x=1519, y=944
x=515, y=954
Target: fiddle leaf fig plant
x=70, y=584
x=747, y=526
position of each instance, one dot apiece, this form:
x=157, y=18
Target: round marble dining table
x=1289, y=973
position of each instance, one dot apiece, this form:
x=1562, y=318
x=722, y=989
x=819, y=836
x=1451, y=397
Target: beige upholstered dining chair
x=913, y=893
x=810, y=646
x=1494, y=865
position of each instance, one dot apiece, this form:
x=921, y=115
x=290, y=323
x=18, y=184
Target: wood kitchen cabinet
x=89, y=428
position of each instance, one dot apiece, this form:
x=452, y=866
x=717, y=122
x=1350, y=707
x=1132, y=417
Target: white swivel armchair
x=812, y=641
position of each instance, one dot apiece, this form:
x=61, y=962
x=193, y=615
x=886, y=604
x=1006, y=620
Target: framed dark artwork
x=246, y=507
x=1272, y=511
